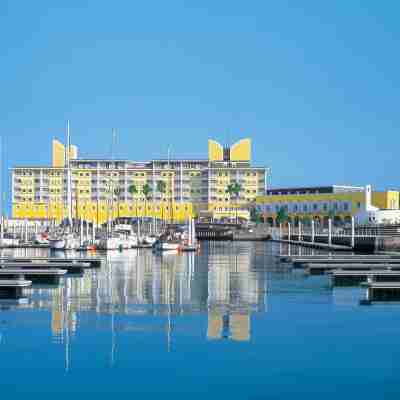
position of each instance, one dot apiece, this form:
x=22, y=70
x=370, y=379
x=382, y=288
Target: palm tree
x=147, y=190
x=281, y=216
x=132, y=189
x=234, y=189
x=161, y=188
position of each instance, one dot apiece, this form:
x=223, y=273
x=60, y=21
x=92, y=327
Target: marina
x=199, y=200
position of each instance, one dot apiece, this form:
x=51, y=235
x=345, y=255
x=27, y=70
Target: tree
x=132, y=189
x=255, y=215
x=306, y=220
x=281, y=216
x=234, y=189
x=161, y=188
x=147, y=191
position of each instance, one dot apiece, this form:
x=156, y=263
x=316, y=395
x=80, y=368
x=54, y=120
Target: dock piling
x=329, y=232
x=312, y=231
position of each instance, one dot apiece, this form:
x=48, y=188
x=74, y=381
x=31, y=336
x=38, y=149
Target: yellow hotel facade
x=101, y=187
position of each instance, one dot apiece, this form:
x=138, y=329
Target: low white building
x=373, y=215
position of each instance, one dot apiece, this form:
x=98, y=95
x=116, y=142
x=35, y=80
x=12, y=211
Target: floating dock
x=381, y=292
x=70, y=267
x=317, y=245
x=13, y=288
x=342, y=261
x=354, y=278
x=319, y=269
x=288, y=258
x=46, y=276
x=94, y=262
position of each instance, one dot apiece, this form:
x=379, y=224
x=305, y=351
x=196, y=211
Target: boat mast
x=1, y=186
x=68, y=166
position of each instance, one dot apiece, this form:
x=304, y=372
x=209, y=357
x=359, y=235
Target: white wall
x=378, y=217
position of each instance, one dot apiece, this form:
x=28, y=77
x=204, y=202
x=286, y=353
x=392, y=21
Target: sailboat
x=65, y=239
x=191, y=243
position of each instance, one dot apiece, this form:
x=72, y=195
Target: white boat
x=149, y=240
x=129, y=240
x=132, y=241
x=190, y=243
x=111, y=243
x=41, y=238
x=160, y=245
x=64, y=242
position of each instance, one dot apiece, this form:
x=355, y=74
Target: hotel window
x=315, y=207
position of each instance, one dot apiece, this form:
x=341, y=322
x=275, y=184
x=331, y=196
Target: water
x=230, y=322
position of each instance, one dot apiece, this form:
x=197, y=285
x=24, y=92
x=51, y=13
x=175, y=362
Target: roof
x=316, y=189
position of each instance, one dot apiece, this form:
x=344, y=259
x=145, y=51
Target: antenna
x=113, y=142
x=1, y=177
x=67, y=149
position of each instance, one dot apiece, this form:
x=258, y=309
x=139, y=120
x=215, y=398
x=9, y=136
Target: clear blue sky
x=316, y=85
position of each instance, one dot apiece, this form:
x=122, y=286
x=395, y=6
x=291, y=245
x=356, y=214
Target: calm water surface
x=229, y=322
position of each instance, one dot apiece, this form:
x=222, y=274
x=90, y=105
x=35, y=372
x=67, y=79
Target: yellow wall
x=101, y=211
x=386, y=200
x=215, y=151
x=73, y=152
x=241, y=150
x=379, y=199
x=58, y=152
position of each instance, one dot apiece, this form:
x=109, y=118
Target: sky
x=314, y=84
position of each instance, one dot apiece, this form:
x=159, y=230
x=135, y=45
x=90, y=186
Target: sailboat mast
x=1, y=177
x=68, y=166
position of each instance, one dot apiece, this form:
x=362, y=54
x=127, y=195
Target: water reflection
x=226, y=281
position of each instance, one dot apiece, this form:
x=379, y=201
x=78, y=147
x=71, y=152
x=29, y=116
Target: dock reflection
x=225, y=281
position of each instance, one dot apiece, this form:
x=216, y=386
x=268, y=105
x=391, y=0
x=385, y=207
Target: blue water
x=230, y=322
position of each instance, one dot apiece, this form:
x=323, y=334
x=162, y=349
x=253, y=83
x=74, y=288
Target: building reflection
x=223, y=280
x=235, y=290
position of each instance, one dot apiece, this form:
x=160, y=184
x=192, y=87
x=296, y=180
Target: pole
x=189, y=232
x=352, y=232
x=330, y=232
x=299, y=231
x=26, y=231
x=280, y=231
x=93, y=232
x=69, y=189
x=81, y=233
x=1, y=176
x=288, y=227
x=312, y=230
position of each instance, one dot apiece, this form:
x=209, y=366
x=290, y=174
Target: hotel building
x=102, y=188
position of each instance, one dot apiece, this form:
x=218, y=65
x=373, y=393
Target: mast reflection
x=223, y=280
